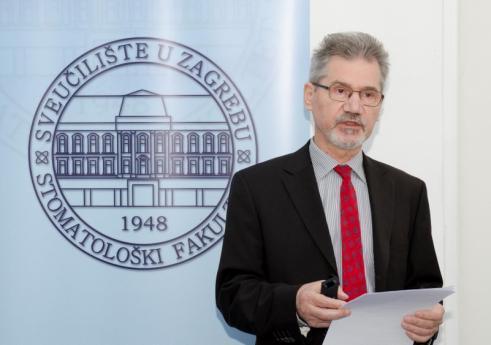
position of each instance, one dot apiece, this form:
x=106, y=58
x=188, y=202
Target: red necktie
x=354, y=283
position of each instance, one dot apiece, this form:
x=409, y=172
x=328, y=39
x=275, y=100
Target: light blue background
x=52, y=293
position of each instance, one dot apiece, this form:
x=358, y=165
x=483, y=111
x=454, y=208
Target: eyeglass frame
x=326, y=87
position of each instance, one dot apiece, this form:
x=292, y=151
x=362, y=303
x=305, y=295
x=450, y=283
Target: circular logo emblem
x=132, y=148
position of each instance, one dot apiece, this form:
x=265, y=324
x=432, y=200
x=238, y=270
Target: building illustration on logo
x=135, y=158
x=132, y=151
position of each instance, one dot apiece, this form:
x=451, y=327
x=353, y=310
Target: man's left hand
x=423, y=324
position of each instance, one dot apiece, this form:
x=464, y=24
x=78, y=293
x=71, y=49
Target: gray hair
x=348, y=45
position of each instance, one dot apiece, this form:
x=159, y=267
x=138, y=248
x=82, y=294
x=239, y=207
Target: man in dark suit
x=324, y=210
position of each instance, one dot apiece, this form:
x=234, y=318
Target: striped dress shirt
x=329, y=184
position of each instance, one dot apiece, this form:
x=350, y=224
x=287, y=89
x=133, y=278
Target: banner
x=121, y=125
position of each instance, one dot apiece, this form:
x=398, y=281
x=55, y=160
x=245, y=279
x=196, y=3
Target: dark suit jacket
x=276, y=239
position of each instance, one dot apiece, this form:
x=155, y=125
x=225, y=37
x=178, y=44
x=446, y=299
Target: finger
x=321, y=317
x=325, y=314
x=420, y=331
x=417, y=338
x=319, y=324
x=342, y=295
x=327, y=302
x=419, y=322
x=435, y=313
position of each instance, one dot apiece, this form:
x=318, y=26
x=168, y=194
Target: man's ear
x=308, y=95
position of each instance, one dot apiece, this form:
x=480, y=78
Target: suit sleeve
x=423, y=269
x=247, y=300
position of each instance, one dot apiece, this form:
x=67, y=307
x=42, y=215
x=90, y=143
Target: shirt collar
x=323, y=163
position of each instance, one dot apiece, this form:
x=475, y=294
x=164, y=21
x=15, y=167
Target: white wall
x=474, y=171
x=418, y=128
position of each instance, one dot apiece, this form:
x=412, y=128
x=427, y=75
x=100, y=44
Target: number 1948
x=137, y=223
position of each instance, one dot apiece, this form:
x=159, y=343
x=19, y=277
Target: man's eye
x=368, y=94
x=340, y=90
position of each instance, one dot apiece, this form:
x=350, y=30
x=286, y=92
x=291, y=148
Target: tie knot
x=344, y=171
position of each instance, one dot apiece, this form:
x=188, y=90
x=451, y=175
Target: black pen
x=329, y=287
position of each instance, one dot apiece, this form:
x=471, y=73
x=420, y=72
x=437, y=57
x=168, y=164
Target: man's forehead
x=356, y=72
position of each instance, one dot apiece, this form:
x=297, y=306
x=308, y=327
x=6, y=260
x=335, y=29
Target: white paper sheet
x=376, y=317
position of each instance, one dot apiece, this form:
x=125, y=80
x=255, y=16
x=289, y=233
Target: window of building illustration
x=208, y=168
x=92, y=165
x=159, y=166
x=177, y=143
x=108, y=143
x=93, y=143
x=62, y=143
x=224, y=166
x=62, y=166
x=159, y=142
x=126, y=143
x=193, y=143
x=223, y=143
x=142, y=143
x=108, y=168
x=143, y=165
x=77, y=143
x=78, y=166
x=193, y=166
x=126, y=166
x=177, y=166
x=208, y=143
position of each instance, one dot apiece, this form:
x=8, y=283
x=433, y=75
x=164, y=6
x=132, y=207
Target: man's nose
x=353, y=104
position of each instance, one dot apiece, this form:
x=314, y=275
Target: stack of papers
x=376, y=317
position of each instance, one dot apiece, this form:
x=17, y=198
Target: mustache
x=351, y=117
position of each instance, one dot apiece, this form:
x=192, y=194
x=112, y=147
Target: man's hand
x=423, y=324
x=318, y=310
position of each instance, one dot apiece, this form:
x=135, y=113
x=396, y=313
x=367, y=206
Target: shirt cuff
x=304, y=327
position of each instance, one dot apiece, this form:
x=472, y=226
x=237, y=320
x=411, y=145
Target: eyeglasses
x=342, y=93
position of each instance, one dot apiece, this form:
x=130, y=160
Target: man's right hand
x=318, y=310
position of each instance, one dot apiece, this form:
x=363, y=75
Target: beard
x=353, y=137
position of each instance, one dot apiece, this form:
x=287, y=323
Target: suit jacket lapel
x=381, y=190
x=299, y=180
